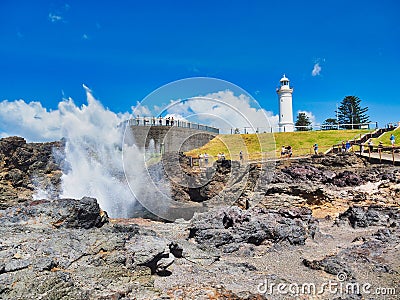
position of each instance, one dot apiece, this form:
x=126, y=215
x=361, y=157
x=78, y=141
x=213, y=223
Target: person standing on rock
x=315, y=149
x=380, y=148
x=392, y=139
x=283, y=151
x=348, y=145
x=206, y=158
x=289, y=151
x=160, y=121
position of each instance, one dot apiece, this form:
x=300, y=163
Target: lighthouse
x=285, y=106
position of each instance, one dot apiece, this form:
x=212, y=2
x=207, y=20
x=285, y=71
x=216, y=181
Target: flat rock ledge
x=69, y=249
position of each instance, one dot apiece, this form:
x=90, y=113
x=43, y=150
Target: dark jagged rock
x=332, y=265
x=311, y=193
x=68, y=249
x=68, y=213
x=346, y=159
x=330, y=161
x=26, y=167
x=306, y=172
x=150, y=251
x=347, y=178
x=205, y=186
x=312, y=174
x=319, y=180
x=226, y=227
x=375, y=252
x=359, y=216
x=176, y=250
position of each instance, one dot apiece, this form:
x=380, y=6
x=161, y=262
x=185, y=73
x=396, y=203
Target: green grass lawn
x=267, y=145
x=385, y=138
x=302, y=141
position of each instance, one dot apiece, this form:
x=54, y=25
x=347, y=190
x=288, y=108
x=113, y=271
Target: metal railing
x=362, y=139
x=253, y=156
x=388, y=154
x=313, y=127
x=143, y=121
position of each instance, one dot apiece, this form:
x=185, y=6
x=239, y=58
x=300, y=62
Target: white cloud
x=176, y=117
x=85, y=36
x=37, y=124
x=30, y=120
x=141, y=110
x=316, y=70
x=225, y=110
x=55, y=18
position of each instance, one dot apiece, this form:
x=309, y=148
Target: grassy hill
x=385, y=138
x=267, y=145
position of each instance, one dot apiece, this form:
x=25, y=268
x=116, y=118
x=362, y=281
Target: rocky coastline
x=306, y=222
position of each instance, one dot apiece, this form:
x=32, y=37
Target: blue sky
x=123, y=50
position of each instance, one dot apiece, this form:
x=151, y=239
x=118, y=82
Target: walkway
x=384, y=157
x=363, y=139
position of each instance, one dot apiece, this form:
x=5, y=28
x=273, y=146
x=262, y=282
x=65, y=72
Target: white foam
x=94, y=154
x=93, y=149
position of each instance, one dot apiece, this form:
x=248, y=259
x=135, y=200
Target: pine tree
x=351, y=112
x=304, y=121
x=329, y=124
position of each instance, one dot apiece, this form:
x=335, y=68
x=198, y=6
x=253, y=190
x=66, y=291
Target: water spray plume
x=93, y=152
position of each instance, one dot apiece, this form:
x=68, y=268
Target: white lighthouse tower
x=285, y=106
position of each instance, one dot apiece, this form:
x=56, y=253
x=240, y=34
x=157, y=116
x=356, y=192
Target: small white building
x=285, y=106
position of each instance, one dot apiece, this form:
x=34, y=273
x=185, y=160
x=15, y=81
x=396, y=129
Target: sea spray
x=96, y=156
x=93, y=150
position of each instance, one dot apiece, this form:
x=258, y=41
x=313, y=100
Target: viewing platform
x=166, y=135
x=146, y=121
